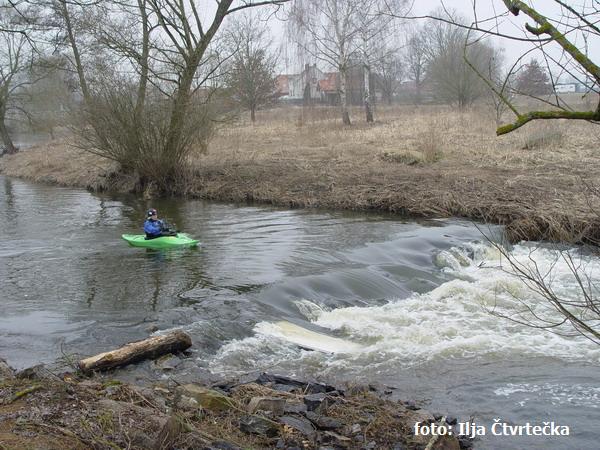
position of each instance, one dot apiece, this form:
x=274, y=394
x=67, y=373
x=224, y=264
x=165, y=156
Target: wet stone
x=331, y=437
x=294, y=407
x=209, y=399
x=259, y=426
x=37, y=372
x=411, y=405
x=169, y=362
x=265, y=378
x=300, y=424
x=269, y=404
x=316, y=402
x=284, y=387
x=324, y=422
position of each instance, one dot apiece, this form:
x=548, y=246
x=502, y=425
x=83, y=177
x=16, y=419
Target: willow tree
x=185, y=37
x=376, y=43
x=454, y=62
x=329, y=31
x=14, y=61
x=17, y=58
x=141, y=67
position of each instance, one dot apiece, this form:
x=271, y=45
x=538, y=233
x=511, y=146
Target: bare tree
x=376, y=45
x=150, y=113
x=17, y=56
x=190, y=37
x=454, y=61
x=250, y=75
x=62, y=19
x=416, y=60
x=371, y=25
x=128, y=33
x=329, y=31
x=14, y=62
x=545, y=34
x=502, y=81
x=389, y=74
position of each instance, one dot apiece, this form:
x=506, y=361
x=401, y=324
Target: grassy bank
x=425, y=162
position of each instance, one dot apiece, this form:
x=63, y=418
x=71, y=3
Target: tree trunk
x=418, y=92
x=78, y=65
x=137, y=351
x=343, y=99
x=141, y=94
x=9, y=147
x=368, y=109
x=180, y=109
x=253, y=114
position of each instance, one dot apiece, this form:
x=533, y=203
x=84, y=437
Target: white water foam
x=557, y=394
x=452, y=321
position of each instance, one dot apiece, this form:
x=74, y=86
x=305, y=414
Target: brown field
x=421, y=161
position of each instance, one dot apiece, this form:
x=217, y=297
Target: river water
x=385, y=300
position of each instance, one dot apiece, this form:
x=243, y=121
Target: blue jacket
x=153, y=228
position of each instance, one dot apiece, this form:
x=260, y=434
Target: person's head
x=152, y=214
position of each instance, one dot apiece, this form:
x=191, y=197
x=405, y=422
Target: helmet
x=151, y=212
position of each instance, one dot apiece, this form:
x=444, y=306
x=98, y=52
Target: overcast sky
x=506, y=23
x=492, y=14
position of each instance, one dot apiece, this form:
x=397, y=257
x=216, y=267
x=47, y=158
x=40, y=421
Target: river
x=398, y=302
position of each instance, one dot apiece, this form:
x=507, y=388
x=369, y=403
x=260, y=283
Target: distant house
x=315, y=86
x=300, y=87
x=574, y=86
x=282, y=86
x=565, y=88
x=329, y=87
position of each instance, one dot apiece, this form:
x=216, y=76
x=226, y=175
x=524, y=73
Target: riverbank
x=423, y=162
x=41, y=409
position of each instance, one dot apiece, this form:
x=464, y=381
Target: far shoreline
x=424, y=167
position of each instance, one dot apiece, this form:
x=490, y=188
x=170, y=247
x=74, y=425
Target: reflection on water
x=398, y=289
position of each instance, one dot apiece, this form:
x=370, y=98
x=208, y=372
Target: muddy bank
x=41, y=409
x=423, y=164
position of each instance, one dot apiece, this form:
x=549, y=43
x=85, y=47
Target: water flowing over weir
x=380, y=299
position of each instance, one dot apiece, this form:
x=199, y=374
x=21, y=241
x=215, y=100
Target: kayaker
x=154, y=227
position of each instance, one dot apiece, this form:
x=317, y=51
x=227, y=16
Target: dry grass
x=424, y=161
x=57, y=162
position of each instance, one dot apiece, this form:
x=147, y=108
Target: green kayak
x=181, y=240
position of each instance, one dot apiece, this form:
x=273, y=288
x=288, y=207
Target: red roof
x=282, y=84
x=329, y=83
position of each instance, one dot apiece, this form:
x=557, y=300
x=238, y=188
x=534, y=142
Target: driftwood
x=137, y=351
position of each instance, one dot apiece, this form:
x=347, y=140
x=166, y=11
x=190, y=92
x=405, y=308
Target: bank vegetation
x=427, y=161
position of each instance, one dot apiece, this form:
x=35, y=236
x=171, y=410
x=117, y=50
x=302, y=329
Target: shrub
x=140, y=142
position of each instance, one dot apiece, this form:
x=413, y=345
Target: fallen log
x=150, y=348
